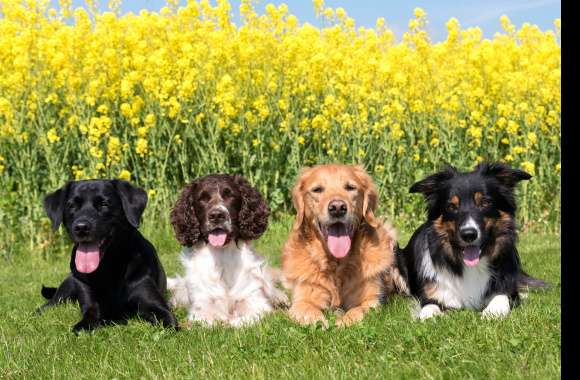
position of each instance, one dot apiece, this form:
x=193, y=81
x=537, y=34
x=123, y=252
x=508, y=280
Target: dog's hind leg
x=65, y=292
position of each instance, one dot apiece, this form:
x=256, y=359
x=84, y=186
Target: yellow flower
x=419, y=13
x=558, y=168
x=532, y=138
x=529, y=167
x=126, y=110
x=52, y=136
x=77, y=172
x=300, y=140
x=125, y=175
x=142, y=147
x=151, y=193
x=103, y=109
x=379, y=168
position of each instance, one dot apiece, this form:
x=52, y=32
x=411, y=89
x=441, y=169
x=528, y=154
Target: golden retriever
x=338, y=255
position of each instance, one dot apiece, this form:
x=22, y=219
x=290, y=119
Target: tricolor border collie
x=464, y=256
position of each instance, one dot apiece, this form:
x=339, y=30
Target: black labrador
x=115, y=271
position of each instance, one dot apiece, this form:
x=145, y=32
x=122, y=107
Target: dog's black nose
x=81, y=228
x=337, y=209
x=217, y=215
x=468, y=234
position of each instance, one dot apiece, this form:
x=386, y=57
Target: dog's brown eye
x=204, y=197
x=317, y=189
x=452, y=207
x=227, y=193
x=484, y=203
x=99, y=203
x=349, y=187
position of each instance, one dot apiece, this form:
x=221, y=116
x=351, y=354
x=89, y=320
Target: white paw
x=171, y=283
x=244, y=321
x=429, y=311
x=206, y=321
x=498, y=307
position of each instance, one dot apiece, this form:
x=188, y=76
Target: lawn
x=387, y=344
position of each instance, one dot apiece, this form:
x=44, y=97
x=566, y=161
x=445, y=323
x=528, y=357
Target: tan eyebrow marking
x=455, y=200
x=477, y=198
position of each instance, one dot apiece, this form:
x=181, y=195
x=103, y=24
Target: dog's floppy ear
x=254, y=212
x=298, y=199
x=133, y=199
x=54, y=204
x=504, y=173
x=370, y=196
x=183, y=218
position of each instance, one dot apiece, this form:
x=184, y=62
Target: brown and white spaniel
x=338, y=255
x=215, y=219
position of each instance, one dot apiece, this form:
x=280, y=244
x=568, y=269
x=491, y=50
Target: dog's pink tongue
x=338, y=241
x=217, y=239
x=87, y=257
x=471, y=256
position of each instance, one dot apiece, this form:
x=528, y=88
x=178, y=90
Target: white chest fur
x=228, y=284
x=456, y=292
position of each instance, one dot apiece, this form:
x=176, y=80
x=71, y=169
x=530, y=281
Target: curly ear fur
x=370, y=196
x=254, y=212
x=183, y=218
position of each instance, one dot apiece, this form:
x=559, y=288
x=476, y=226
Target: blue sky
x=482, y=13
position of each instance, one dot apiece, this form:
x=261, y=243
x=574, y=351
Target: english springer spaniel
x=215, y=219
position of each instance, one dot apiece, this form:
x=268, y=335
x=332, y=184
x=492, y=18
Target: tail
x=527, y=282
x=47, y=293
x=400, y=275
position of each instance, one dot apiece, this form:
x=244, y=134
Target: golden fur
x=320, y=281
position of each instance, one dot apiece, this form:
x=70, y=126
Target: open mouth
x=218, y=237
x=88, y=256
x=471, y=255
x=338, y=238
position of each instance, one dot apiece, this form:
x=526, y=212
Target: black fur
x=456, y=200
x=129, y=279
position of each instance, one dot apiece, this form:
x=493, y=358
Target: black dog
x=115, y=271
x=465, y=255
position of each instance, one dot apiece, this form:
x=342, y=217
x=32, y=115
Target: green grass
x=387, y=344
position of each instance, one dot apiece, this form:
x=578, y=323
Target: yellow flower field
x=160, y=98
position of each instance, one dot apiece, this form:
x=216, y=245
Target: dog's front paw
x=351, y=317
x=85, y=325
x=280, y=299
x=498, y=307
x=429, y=311
x=307, y=315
